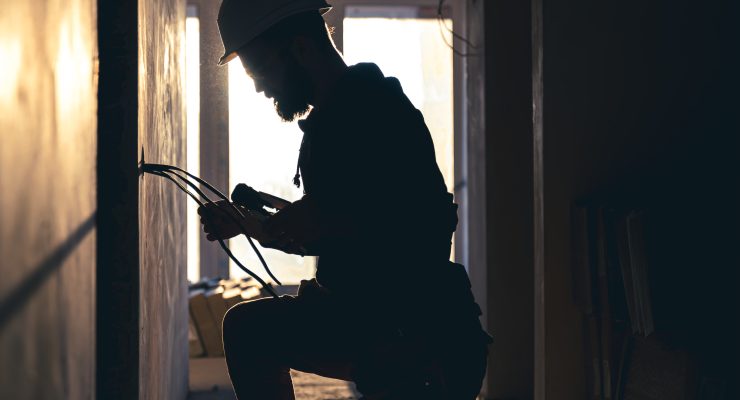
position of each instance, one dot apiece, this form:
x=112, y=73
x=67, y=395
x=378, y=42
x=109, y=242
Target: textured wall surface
x=162, y=238
x=47, y=199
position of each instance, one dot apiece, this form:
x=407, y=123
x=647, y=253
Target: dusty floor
x=209, y=381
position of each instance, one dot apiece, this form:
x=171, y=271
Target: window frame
x=454, y=10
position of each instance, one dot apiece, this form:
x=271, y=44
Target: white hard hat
x=240, y=21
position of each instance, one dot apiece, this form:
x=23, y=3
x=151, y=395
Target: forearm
x=303, y=226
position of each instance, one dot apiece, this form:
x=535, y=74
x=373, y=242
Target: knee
x=244, y=322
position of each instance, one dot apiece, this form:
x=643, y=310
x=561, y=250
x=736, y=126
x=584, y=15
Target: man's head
x=284, y=59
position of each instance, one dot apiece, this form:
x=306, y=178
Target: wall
x=162, y=240
x=47, y=201
x=509, y=207
x=142, y=299
x=639, y=98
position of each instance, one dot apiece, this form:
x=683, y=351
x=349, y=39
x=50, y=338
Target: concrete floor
x=210, y=381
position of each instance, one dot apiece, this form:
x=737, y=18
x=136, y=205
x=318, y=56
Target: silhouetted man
x=387, y=309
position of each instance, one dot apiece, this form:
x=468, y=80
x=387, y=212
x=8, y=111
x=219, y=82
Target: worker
x=387, y=309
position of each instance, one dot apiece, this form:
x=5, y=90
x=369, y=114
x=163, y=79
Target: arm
x=219, y=222
x=297, y=228
x=300, y=228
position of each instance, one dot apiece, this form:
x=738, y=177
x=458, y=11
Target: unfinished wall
x=47, y=201
x=162, y=238
x=639, y=97
x=142, y=305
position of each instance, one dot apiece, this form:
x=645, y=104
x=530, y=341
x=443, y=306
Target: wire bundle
x=171, y=172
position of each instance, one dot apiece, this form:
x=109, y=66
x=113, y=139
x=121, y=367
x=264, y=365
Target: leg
x=254, y=334
x=264, y=339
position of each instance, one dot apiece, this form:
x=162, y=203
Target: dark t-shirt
x=367, y=159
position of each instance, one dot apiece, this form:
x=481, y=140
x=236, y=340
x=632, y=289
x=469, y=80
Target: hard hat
x=240, y=21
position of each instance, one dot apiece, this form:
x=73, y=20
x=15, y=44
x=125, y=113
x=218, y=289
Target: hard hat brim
x=228, y=56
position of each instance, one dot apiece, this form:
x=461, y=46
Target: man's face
x=278, y=75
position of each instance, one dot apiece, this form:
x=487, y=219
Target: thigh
x=464, y=369
x=308, y=332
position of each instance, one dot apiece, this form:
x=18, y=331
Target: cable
x=221, y=242
x=237, y=222
x=441, y=23
x=169, y=169
x=164, y=167
x=165, y=174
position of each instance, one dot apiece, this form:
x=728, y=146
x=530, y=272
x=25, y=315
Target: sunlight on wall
x=192, y=59
x=11, y=52
x=263, y=153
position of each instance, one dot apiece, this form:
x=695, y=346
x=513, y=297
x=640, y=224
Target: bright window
x=263, y=150
x=412, y=50
x=263, y=153
x=192, y=66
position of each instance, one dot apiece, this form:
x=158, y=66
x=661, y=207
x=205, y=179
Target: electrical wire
x=443, y=26
x=221, y=242
x=165, y=173
x=170, y=168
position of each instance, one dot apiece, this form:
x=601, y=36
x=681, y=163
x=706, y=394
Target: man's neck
x=325, y=79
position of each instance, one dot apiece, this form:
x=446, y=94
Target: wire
x=221, y=242
x=164, y=167
x=165, y=174
x=169, y=168
x=241, y=227
x=442, y=24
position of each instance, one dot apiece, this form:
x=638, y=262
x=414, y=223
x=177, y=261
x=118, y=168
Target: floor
x=209, y=381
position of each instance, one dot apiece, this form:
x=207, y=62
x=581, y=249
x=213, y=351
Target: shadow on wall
x=14, y=302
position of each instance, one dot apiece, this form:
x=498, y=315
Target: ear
x=304, y=50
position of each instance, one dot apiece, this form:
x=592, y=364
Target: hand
x=221, y=221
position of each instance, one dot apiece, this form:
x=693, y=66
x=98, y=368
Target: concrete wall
x=142, y=304
x=162, y=239
x=47, y=199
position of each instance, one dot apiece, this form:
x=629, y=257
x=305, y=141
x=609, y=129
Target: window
x=263, y=153
x=410, y=43
x=192, y=66
x=410, y=49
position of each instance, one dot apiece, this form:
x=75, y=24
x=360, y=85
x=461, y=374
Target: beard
x=293, y=103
